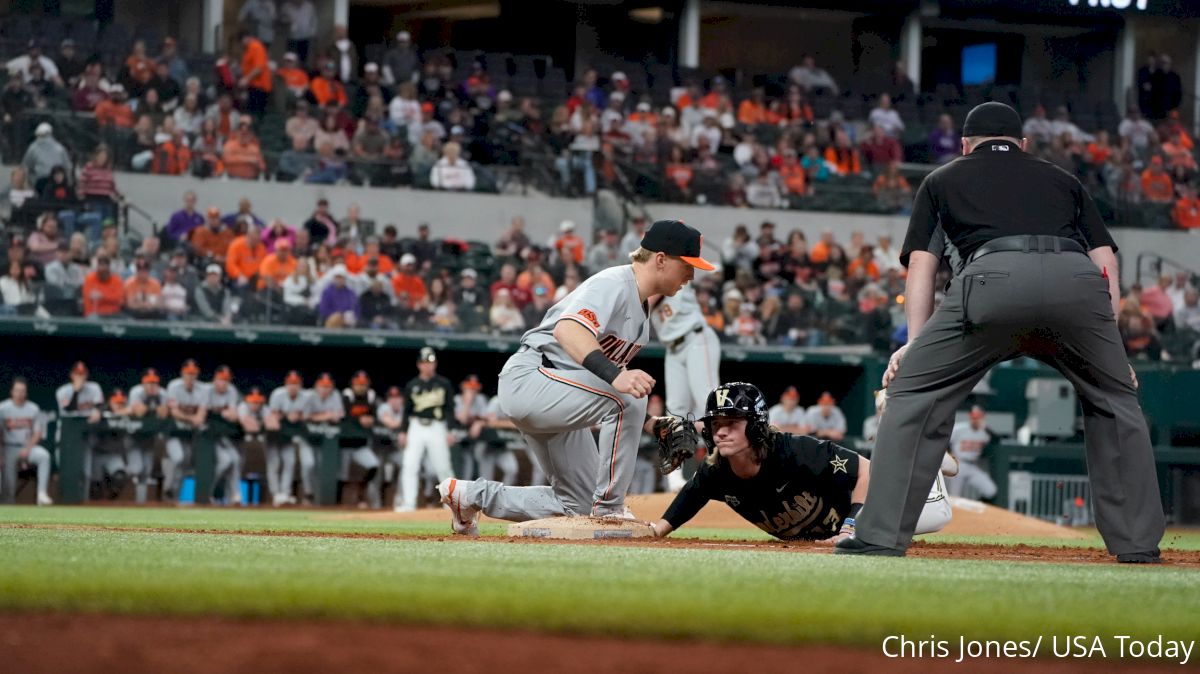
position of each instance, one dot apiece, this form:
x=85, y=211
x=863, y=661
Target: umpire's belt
x=679, y=342
x=1027, y=243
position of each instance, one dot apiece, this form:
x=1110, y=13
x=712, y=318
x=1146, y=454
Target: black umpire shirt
x=801, y=491
x=998, y=191
x=431, y=400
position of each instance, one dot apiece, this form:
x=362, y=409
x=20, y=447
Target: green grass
x=758, y=595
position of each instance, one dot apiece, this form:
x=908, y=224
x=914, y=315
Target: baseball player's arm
x=918, y=303
x=581, y=345
x=688, y=502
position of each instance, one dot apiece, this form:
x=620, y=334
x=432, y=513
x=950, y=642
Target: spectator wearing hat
x=343, y=53
x=300, y=16
x=568, y=244
x=788, y=416
x=406, y=283
x=213, y=300
x=339, y=306
x=103, y=292
x=294, y=77
x=143, y=293
x=451, y=172
x=242, y=155
x=967, y=442
x=23, y=65
x=172, y=156
x=370, y=86
x=43, y=154
x=325, y=89
x=114, y=110
x=401, y=63
x=825, y=420
x=211, y=241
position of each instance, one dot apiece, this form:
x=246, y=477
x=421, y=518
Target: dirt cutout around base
x=101, y=644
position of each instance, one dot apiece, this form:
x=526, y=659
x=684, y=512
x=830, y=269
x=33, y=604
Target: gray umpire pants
x=1053, y=307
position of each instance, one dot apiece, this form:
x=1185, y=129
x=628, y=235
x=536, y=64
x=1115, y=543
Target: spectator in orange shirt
x=211, y=241
x=891, y=189
x=294, y=77
x=753, y=110
x=865, y=262
x=172, y=157
x=792, y=174
x=244, y=256
x=1187, y=210
x=326, y=87
x=115, y=110
x=256, y=74
x=568, y=244
x=143, y=293
x=138, y=67
x=103, y=292
x=277, y=266
x=406, y=282
x=536, y=275
x=819, y=253
x=1157, y=186
x=355, y=264
x=843, y=155
x=1099, y=150
x=241, y=155
x=1179, y=159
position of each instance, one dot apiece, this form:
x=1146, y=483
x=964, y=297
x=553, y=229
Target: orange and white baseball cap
x=826, y=399
x=675, y=238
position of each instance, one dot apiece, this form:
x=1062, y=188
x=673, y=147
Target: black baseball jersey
x=357, y=405
x=997, y=191
x=432, y=399
x=802, y=491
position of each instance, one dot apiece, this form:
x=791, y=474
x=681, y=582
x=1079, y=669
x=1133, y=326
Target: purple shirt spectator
x=182, y=223
x=944, y=143
x=337, y=300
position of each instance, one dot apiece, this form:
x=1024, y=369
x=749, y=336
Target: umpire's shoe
x=1148, y=557
x=857, y=546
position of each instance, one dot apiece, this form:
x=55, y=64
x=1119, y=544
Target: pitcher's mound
x=971, y=518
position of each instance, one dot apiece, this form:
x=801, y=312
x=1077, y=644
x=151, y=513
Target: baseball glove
x=677, y=441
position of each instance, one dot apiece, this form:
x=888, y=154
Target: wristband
x=855, y=508
x=598, y=364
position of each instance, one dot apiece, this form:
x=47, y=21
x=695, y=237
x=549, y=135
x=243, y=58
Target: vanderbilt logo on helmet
x=722, y=396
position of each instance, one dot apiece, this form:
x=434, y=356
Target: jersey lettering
x=590, y=316
x=433, y=399
x=618, y=350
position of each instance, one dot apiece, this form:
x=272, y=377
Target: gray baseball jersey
x=386, y=411
x=678, y=316
x=608, y=305
x=836, y=421
x=218, y=401
x=244, y=410
x=188, y=400
x=479, y=406
x=90, y=397
x=19, y=422
x=780, y=416
x=331, y=403
x=283, y=404
x=493, y=409
x=967, y=443
x=138, y=394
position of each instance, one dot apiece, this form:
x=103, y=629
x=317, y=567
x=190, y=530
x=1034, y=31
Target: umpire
x=1038, y=278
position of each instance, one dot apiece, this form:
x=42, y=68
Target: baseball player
x=256, y=420
x=788, y=416
x=23, y=433
x=360, y=404
x=794, y=487
x=570, y=374
x=147, y=405
x=428, y=409
x=187, y=402
x=498, y=452
x=825, y=420
x=937, y=512
x=223, y=423
x=693, y=360
x=108, y=453
x=470, y=411
x=287, y=405
x=324, y=407
x=390, y=415
x=82, y=398
x=967, y=441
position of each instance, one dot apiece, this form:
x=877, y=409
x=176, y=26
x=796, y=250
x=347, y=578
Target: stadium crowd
x=414, y=117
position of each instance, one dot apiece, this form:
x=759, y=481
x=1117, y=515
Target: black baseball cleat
x=1148, y=557
x=857, y=546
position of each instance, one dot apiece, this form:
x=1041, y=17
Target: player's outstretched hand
x=634, y=382
x=894, y=365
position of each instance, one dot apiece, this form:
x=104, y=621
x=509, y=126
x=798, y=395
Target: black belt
x=1027, y=243
x=678, y=342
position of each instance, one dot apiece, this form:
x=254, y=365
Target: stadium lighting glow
x=1112, y=4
